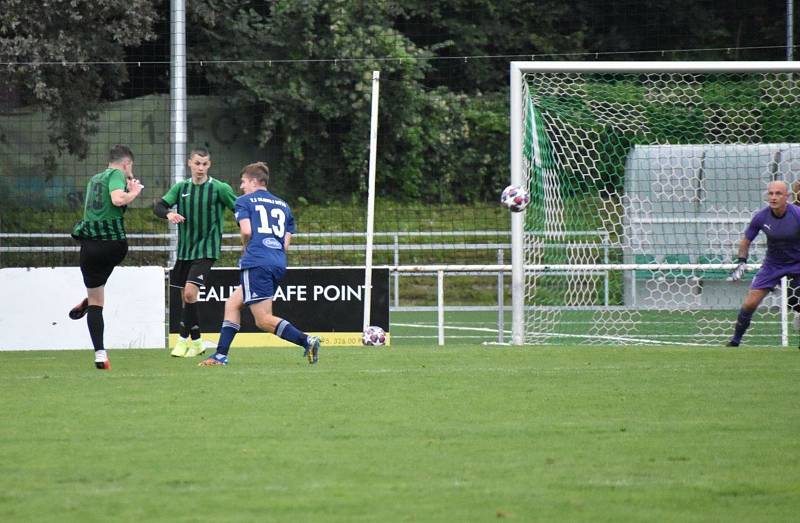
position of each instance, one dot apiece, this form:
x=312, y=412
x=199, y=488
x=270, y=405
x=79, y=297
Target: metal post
x=789, y=30
x=373, y=143
x=396, y=273
x=500, y=298
x=605, y=260
x=440, y=304
x=517, y=225
x=177, y=100
x=784, y=312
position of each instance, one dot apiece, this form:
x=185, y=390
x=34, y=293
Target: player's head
x=199, y=162
x=118, y=153
x=255, y=176
x=121, y=157
x=778, y=194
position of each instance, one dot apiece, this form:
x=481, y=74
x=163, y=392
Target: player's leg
x=98, y=259
x=177, y=280
x=196, y=278
x=96, y=324
x=751, y=302
x=794, y=299
x=258, y=286
x=230, y=326
x=268, y=322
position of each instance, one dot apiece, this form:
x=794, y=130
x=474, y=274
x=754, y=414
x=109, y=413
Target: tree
x=313, y=108
x=52, y=52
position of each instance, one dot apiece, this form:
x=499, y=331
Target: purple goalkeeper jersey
x=783, y=235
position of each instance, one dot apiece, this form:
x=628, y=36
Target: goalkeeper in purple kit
x=780, y=222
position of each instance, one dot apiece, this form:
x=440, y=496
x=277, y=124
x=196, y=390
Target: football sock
x=94, y=319
x=742, y=323
x=226, y=335
x=189, y=320
x=290, y=333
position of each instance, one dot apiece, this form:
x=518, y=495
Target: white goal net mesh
x=659, y=172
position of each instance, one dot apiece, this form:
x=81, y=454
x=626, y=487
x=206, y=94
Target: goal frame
x=517, y=69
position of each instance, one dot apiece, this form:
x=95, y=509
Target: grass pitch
x=412, y=432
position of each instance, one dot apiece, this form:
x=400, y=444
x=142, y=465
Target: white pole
x=517, y=238
x=440, y=304
x=177, y=91
x=373, y=142
x=784, y=312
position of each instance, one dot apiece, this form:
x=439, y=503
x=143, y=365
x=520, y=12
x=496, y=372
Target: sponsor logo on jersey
x=271, y=243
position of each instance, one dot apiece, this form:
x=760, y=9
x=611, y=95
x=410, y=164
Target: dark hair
x=119, y=152
x=200, y=151
x=258, y=171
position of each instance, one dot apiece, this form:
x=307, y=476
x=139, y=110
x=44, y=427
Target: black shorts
x=190, y=271
x=98, y=259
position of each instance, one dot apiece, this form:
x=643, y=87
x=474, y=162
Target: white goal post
x=670, y=159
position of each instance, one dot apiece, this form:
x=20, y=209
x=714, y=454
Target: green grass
x=412, y=432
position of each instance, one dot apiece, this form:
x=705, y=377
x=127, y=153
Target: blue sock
x=742, y=323
x=290, y=333
x=229, y=330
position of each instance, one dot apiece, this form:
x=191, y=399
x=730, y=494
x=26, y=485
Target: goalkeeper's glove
x=739, y=271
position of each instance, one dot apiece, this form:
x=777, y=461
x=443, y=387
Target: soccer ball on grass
x=515, y=198
x=374, y=336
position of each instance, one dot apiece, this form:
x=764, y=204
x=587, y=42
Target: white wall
x=34, y=304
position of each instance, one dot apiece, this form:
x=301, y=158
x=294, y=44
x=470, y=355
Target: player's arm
x=161, y=208
x=245, y=231
x=228, y=197
x=287, y=239
x=744, y=249
x=741, y=260
x=121, y=198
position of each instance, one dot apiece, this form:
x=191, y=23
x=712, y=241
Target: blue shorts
x=259, y=283
x=769, y=276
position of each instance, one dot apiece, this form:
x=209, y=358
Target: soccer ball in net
x=374, y=336
x=515, y=198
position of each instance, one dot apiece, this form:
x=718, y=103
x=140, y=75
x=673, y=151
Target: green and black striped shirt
x=102, y=220
x=203, y=206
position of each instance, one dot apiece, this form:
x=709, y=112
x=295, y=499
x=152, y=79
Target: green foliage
x=48, y=48
x=318, y=116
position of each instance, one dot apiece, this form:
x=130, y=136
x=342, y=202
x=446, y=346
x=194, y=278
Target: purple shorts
x=769, y=276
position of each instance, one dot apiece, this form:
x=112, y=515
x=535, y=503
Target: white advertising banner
x=35, y=302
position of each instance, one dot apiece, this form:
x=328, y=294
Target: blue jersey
x=270, y=221
x=783, y=234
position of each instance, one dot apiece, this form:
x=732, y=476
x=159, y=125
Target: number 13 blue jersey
x=270, y=221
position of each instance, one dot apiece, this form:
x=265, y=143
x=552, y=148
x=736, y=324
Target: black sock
x=192, y=320
x=94, y=318
x=742, y=323
x=183, y=330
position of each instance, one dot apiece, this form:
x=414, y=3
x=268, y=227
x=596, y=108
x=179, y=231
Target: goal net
x=643, y=177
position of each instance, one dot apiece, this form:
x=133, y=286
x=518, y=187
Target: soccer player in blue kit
x=780, y=222
x=266, y=225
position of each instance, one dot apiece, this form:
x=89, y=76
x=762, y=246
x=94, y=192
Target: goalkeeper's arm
x=741, y=267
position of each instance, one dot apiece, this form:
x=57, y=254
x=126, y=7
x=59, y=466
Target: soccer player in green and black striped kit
x=103, y=240
x=200, y=203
